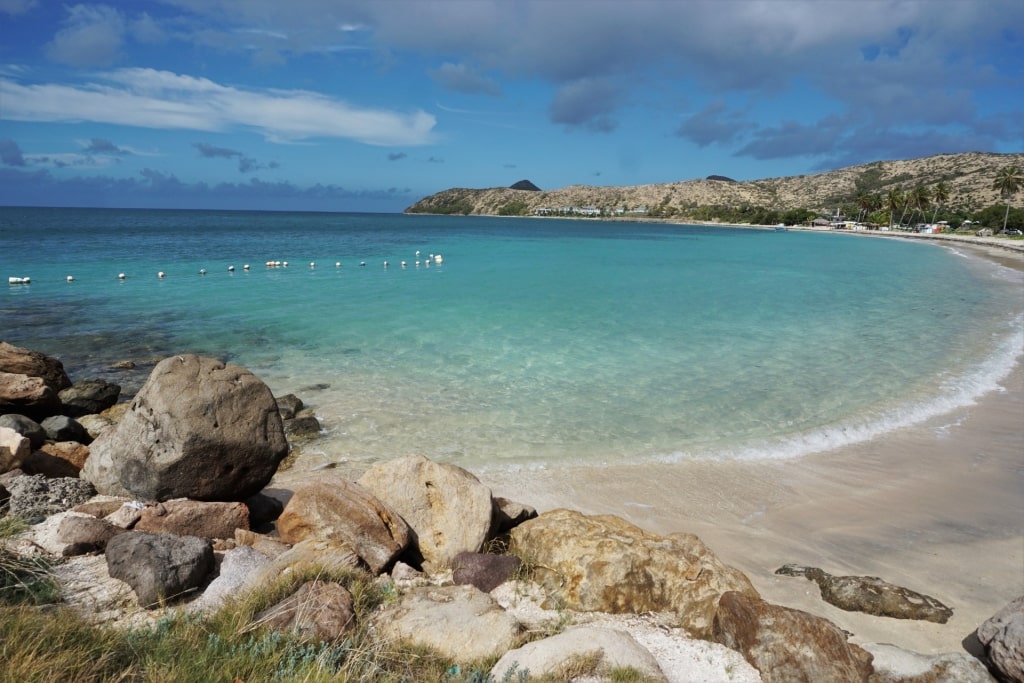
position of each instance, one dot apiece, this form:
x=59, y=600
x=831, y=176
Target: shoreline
x=935, y=507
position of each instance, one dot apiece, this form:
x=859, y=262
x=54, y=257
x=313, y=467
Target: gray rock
x=871, y=595
x=484, y=571
x=88, y=397
x=64, y=428
x=37, y=496
x=317, y=611
x=302, y=427
x=197, y=429
x=159, y=567
x=289, y=406
x=460, y=622
x=609, y=648
x=25, y=426
x=85, y=534
x=237, y=565
x=1002, y=634
x=447, y=507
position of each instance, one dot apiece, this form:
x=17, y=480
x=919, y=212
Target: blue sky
x=369, y=105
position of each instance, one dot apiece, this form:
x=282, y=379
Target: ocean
x=530, y=343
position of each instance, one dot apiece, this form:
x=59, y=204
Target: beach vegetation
x=1008, y=182
x=515, y=208
x=24, y=579
x=60, y=643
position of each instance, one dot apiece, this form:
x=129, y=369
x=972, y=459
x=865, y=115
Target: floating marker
x=312, y=264
x=245, y=267
x=362, y=263
x=120, y=276
x=202, y=271
x=160, y=274
x=70, y=278
x=337, y=264
x=231, y=269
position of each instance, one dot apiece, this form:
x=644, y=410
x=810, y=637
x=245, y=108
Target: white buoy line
x=432, y=258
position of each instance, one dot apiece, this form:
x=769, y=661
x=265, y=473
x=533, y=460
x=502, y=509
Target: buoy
x=19, y=280
x=362, y=263
x=417, y=252
x=283, y=263
x=337, y=264
x=70, y=278
x=231, y=269
x=245, y=267
x=438, y=259
x=120, y=276
x=160, y=274
x=403, y=264
x=202, y=271
x=386, y=264
x=312, y=264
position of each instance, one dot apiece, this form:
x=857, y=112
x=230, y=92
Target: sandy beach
x=937, y=507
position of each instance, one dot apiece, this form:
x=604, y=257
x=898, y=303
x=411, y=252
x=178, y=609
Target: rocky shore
x=173, y=501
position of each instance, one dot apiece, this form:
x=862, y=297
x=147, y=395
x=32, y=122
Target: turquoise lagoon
x=536, y=342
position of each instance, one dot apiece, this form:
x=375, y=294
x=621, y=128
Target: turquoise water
x=535, y=341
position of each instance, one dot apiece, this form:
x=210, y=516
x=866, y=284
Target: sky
x=370, y=105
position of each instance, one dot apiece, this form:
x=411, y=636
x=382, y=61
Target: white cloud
x=148, y=98
x=92, y=36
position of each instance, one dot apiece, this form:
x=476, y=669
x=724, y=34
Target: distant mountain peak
x=525, y=185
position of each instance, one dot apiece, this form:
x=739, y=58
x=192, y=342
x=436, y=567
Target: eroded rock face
x=19, y=361
x=872, y=595
x=1003, y=638
x=605, y=564
x=198, y=429
x=335, y=509
x=787, y=645
x=447, y=507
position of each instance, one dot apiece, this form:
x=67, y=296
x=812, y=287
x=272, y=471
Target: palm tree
x=894, y=201
x=941, y=195
x=1008, y=182
x=867, y=202
x=919, y=199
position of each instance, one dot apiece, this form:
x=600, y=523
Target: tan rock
x=57, y=459
x=318, y=610
x=194, y=518
x=332, y=508
x=14, y=449
x=447, y=507
x=605, y=564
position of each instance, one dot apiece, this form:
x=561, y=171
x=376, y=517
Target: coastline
x=935, y=507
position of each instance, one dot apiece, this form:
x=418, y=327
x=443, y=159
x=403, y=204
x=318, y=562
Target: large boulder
x=58, y=459
x=788, y=645
x=335, y=509
x=605, y=564
x=159, y=567
x=88, y=397
x=447, y=507
x=197, y=429
x=1003, y=637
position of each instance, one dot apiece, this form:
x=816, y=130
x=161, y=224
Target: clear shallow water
x=536, y=341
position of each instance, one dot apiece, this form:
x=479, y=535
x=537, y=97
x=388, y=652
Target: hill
x=968, y=176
